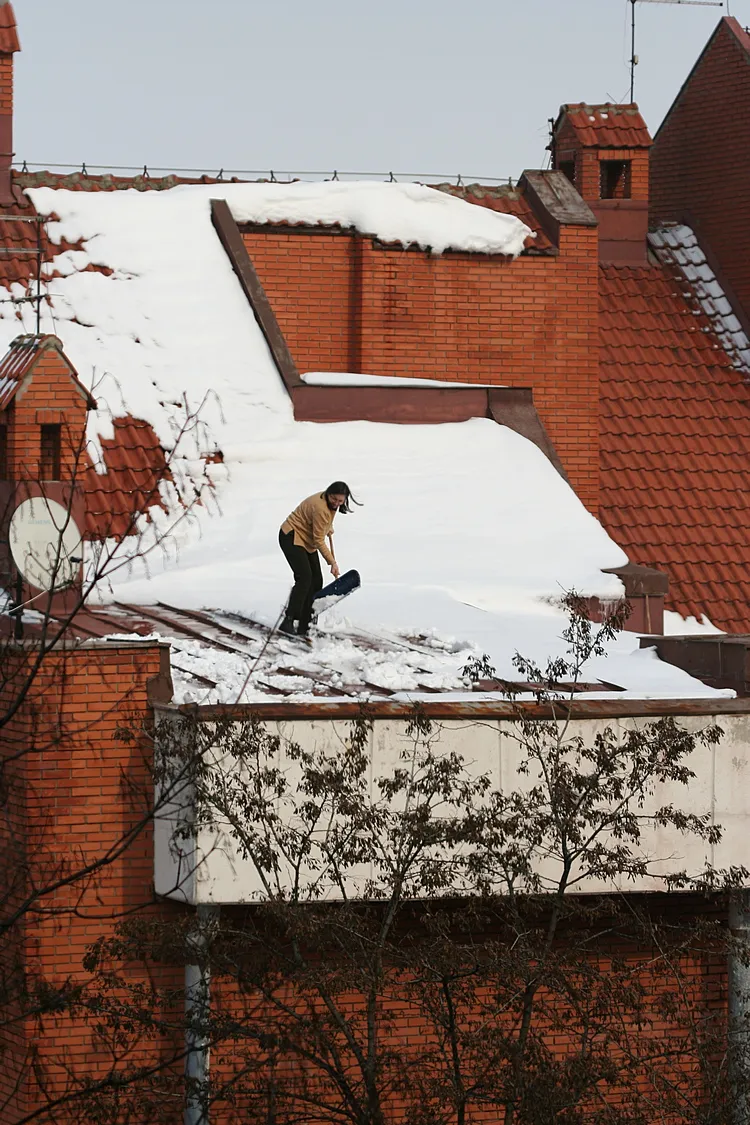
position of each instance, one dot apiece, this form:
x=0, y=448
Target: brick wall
x=49, y=398
x=345, y=303
x=700, y=162
x=76, y=793
x=6, y=84
x=409, y=1019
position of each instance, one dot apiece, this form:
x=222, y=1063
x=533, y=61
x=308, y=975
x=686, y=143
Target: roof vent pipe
x=197, y=1018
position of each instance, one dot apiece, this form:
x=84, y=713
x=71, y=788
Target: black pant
x=307, y=579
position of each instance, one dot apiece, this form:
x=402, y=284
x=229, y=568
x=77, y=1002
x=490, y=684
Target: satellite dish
x=46, y=544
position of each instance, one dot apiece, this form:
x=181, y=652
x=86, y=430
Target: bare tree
x=421, y=949
x=50, y=878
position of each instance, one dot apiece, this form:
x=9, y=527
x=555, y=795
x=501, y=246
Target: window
x=49, y=462
x=3, y=452
x=568, y=169
x=614, y=179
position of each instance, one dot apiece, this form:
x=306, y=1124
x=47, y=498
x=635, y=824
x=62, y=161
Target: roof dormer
x=43, y=407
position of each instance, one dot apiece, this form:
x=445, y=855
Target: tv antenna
x=633, y=56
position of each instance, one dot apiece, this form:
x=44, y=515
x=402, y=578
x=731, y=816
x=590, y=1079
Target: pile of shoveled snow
x=465, y=528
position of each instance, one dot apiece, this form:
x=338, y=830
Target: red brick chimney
x=604, y=152
x=8, y=46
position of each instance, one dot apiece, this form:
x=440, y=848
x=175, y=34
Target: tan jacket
x=311, y=522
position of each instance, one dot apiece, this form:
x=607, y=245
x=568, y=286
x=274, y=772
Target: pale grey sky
x=412, y=86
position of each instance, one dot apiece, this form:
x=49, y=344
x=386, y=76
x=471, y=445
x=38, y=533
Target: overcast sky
x=412, y=86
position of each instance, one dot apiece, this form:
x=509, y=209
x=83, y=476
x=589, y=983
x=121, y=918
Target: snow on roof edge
x=677, y=244
x=410, y=214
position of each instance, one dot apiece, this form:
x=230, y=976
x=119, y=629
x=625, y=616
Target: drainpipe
x=197, y=1012
x=738, y=973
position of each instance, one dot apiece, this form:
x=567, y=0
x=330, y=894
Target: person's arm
x=320, y=528
x=335, y=568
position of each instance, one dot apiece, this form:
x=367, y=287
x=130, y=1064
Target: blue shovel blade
x=342, y=586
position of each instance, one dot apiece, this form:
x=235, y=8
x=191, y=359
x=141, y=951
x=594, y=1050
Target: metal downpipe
x=738, y=984
x=197, y=1013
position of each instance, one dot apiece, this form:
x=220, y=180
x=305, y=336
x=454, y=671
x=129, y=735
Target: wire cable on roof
x=275, y=176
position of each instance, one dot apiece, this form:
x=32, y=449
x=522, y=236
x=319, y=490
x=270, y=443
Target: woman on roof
x=303, y=534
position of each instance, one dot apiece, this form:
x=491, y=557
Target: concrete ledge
x=389, y=404
x=555, y=202
x=471, y=709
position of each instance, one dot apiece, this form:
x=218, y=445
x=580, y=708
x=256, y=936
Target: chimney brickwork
x=9, y=45
x=604, y=151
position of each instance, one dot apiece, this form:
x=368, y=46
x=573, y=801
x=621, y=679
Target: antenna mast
x=633, y=56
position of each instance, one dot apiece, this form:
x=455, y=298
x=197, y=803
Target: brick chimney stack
x=8, y=46
x=604, y=152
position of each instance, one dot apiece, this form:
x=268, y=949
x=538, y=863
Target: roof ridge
x=741, y=38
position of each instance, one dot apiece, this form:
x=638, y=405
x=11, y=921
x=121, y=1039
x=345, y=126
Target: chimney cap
x=608, y=125
x=9, y=43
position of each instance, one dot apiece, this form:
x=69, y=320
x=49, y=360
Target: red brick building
x=632, y=378
x=598, y=342
x=698, y=162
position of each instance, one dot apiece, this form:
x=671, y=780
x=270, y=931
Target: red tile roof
x=22, y=239
x=606, y=126
x=136, y=466
x=84, y=181
x=14, y=366
x=675, y=424
x=675, y=443
x=19, y=239
x=503, y=198
x=8, y=34
x=19, y=361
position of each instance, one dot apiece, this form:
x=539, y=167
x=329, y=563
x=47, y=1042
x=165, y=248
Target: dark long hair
x=341, y=488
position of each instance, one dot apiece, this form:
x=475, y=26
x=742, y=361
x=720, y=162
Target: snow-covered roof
x=411, y=214
x=467, y=534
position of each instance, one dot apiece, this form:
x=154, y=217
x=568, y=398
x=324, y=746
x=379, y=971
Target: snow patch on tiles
x=467, y=531
x=354, y=379
x=410, y=214
x=678, y=245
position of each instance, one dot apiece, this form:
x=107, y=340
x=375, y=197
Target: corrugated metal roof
x=274, y=666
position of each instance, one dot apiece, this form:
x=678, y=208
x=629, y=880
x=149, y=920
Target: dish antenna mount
x=633, y=56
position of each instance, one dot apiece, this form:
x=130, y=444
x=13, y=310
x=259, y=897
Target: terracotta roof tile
x=8, y=34
x=15, y=365
x=136, y=466
x=675, y=439
x=606, y=126
x=84, y=181
x=20, y=359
